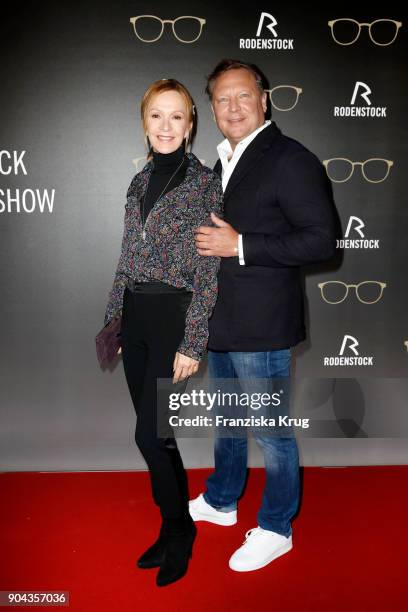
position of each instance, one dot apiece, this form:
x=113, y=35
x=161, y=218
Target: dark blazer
x=168, y=253
x=280, y=199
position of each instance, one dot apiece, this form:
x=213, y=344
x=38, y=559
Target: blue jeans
x=225, y=485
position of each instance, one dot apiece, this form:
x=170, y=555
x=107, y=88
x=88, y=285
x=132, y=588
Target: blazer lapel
x=218, y=167
x=251, y=156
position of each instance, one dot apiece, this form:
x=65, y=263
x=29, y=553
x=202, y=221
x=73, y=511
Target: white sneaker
x=261, y=546
x=201, y=511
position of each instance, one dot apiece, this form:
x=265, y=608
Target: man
x=278, y=216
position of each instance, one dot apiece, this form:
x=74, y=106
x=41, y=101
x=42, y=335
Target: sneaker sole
x=209, y=518
x=285, y=549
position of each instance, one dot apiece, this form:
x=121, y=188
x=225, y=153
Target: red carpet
x=82, y=532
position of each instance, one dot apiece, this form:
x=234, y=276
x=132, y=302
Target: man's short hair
x=231, y=64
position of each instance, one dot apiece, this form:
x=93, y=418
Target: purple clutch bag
x=108, y=342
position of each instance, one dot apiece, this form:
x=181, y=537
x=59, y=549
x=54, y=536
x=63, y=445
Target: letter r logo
x=352, y=346
x=363, y=95
x=270, y=26
x=359, y=226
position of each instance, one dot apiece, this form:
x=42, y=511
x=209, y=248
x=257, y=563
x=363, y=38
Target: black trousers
x=153, y=322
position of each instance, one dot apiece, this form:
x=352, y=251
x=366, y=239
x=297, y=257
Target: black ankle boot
x=178, y=550
x=154, y=556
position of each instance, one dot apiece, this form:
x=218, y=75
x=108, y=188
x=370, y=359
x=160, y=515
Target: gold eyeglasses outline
x=389, y=163
x=349, y=286
x=298, y=91
x=172, y=21
x=331, y=23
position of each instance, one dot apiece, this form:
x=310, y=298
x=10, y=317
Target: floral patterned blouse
x=165, y=251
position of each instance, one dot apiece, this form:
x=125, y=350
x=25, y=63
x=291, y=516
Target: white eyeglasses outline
x=163, y=21
x=298, y=91
x=381, y=285
x=389, y=163
x=331, y=23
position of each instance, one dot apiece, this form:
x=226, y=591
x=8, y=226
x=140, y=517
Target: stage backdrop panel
x=72, y=77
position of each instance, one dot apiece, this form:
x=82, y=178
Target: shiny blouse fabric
x=166, y=250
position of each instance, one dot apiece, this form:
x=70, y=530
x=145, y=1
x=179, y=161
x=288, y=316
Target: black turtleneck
x=164, y=166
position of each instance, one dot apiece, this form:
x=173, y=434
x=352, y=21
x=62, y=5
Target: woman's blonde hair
x=159, y=87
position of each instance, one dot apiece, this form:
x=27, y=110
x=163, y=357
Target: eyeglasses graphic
x=284, y=97
x=382, y=32
x=367, y=292
x=149, y=28
x=374, y=170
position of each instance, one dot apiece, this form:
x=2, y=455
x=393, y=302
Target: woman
x=165, y=293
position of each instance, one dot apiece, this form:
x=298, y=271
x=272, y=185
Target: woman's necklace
x=147, y=189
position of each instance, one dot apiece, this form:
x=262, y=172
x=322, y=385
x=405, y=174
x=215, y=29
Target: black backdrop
x=72, y=75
